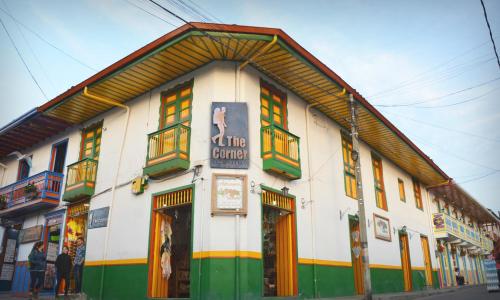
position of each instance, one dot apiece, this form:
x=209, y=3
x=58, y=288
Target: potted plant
x=30, y=191
x=3, y=201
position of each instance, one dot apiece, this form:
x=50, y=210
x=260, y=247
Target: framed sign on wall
x=382, y=228
x=229, y=194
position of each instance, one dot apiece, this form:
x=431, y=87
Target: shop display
x=269, y=221
x=166, y=248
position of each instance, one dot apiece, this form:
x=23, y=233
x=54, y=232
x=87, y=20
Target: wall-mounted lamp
x=255, y=188
x=354, y=155
x=284, y=191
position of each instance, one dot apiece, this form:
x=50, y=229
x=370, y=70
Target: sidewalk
x=407, y=295
x=41, y=297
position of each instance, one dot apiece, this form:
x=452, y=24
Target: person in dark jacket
x=63, y=269
x=37, y=263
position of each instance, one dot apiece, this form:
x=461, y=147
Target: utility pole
x=361, y=202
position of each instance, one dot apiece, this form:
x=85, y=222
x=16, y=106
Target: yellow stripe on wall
x=227, y=254
x=390, y=267
x=322, y=262
x=115, y=262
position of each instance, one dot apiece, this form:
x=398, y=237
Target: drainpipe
x=260, y=52
x=237, y=217
x=313, y=227
x=115, y=181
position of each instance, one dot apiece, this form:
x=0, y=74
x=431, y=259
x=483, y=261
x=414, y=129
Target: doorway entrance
x=405, y=261
x=427, y=260
x=279, y=245
x=356, y=257
x=76, y=227
x=170, y=245
x=58, y=157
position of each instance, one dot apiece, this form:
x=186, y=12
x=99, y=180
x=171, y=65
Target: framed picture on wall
x=382, y=228
x=229, y=194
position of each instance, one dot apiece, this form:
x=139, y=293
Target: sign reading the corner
x=98, y=217
x=229, y=136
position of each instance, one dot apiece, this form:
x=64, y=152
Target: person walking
x=63, y=269
x=37, y=262
x=78, y=264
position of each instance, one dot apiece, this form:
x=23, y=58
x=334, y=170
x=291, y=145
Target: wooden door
x=427, y=260
x=405, y=261
x=286, y=279
x=357, y=263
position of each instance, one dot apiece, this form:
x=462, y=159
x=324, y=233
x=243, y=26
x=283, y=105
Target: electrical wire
x=439, y=97
x=150, y=13
x=461, y=102
x=31, y=49
x=22, y=59
x=46, y=41
x=478, y=178
x=489, y=30
x=444, y=128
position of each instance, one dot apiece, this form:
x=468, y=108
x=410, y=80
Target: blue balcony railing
x=44, y=188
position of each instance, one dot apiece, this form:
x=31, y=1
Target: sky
x=428, y=66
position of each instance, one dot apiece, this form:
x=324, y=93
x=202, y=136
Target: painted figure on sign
x=219, y=120
x=166, y=249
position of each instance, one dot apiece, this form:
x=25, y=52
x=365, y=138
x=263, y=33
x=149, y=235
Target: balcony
x=81, y=180
x=280, y=152
x=452, y=229
x=168, y=150
x=38, y=192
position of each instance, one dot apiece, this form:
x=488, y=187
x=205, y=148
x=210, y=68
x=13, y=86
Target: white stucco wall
x=324, y=198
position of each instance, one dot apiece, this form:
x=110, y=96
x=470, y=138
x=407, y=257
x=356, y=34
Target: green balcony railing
x=81, y=179
x=168, y=150
x=280, y=151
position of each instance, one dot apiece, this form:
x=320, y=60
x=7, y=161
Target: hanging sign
x=229, y=136
x=98, y=217
x=30, y=234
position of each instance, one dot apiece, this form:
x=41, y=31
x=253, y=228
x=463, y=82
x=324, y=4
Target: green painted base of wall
x=331, y=281
x=218, y=278
x=120, y=282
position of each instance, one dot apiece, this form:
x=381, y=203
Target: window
x=273, y=109
x=402, y=195
x=418, y=194
x=349, y=168
x=379, y=183
x=58, y=156
x=176, y=105
x=91, y=142
x=23, y=171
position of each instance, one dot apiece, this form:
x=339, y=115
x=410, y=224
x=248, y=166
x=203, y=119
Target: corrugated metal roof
x=194, y=45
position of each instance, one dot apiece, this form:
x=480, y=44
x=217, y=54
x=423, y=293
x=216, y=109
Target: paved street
x=467, y=293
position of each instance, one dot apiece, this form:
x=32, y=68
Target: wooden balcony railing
x=81, y=179
x=168, y=150
x=44, y=185
x=280, y=151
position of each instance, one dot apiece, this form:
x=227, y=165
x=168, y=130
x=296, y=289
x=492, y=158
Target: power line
x=418, y=76
x=439, y=97
x=31, y=49
x=22, y=59
x=47, y=42
x=150, y=13
x=461, y=102
x=445, y=128
x=491, y=35
x=478, y=178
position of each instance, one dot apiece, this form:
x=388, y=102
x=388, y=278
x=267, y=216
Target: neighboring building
x=460, y=227
x=218, y=156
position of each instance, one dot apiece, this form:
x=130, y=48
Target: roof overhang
x=453, y=194
x=196, y=44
